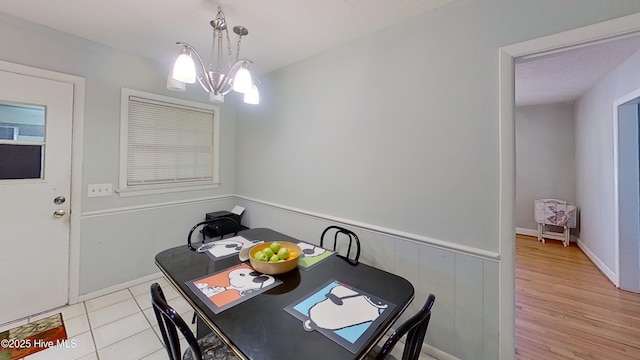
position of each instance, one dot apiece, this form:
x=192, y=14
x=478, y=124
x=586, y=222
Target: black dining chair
x=353, y=238
x=215, y=226
x=171, y=325
x=415, y=328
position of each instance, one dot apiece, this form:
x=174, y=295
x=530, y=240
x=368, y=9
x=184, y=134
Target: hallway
x=567, y=309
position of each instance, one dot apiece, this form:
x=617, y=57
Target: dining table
x=270, y=325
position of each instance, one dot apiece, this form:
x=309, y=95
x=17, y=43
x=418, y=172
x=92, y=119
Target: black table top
x=259, y=327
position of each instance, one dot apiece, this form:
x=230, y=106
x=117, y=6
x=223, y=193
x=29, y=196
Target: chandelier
x=222, y=76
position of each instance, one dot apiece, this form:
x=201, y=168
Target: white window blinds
x=168, y=143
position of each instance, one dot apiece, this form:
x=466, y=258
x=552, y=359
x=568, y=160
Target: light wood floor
x=567, y=309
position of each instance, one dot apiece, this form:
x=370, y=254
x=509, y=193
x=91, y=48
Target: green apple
x=283, y=253
x=274, y=258
x=261, y=256
x=275, y=247
x=268, y=251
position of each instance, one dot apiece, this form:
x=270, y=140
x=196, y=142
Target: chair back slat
x=170, y=322
x=415, y=338
x=415, y=328
x=220, y=220
x=353, y=240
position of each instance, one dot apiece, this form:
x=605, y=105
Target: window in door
x=22, y=141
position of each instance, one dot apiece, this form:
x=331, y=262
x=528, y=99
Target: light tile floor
x=120, y=325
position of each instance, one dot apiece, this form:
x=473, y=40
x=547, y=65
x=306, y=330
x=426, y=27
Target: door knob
x=59, y=213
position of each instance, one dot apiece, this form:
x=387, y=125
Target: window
x=167, y=144
x=22, y=143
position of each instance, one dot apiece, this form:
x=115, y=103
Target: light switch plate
x=95, y=190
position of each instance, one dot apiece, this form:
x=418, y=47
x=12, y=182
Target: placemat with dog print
x=231, y=286
x=225, y=247
x=312, y=255
x=344, y=314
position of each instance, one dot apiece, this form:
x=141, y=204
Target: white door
x=35, y=184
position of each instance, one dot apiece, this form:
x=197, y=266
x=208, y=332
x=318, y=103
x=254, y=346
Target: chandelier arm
x=206, y=86
x=226, y=90
x=226, y=87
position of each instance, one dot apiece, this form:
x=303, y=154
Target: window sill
x=127, y=192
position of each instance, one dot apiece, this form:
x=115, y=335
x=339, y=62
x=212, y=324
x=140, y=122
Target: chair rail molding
x=462, y=249
x=126, y=209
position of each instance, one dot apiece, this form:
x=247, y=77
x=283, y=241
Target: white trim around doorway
x=76, y=163
x=622, y=26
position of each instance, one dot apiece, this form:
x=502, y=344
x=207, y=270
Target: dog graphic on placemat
x=244, y=281
x=231, y=286
x=343, y=308
x=221, y=248
x=309, y=250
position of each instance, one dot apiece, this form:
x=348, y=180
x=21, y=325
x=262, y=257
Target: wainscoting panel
x=491, y=310
x=407, y=259
x=465, y=317
x=437, y=269
x=468, y=307
x=119, y=245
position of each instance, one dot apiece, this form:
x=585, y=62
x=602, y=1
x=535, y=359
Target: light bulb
x=252, y=96
x=242, y=81
x=184, y=69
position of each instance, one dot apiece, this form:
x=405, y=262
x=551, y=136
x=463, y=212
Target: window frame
x=125, y=190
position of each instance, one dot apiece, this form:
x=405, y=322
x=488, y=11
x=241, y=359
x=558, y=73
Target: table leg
x=202, y=329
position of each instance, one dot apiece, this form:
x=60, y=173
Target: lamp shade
x=184, y=69
x=175, y=85
x=252, y=96
x=242, y=81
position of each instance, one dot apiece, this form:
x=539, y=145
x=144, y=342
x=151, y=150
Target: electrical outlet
x=95, y=190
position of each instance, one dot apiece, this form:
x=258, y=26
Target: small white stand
x=556, y=213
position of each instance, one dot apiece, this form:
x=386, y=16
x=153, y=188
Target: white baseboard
x=598, y=263
x=529, y=232
x=119, y=287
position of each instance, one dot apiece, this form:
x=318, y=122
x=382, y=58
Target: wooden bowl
x=274, y=268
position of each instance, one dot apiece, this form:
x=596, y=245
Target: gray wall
x=398, y=130
x=545, y=158
x=397, y=133
x=595, y=162
x=112, y=250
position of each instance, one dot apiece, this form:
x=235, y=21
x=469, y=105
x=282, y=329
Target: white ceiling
x=282, y=32
x=562, y=76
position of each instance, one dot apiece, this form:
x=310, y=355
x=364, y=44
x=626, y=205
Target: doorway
x=38, y=112
x=578, y=37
